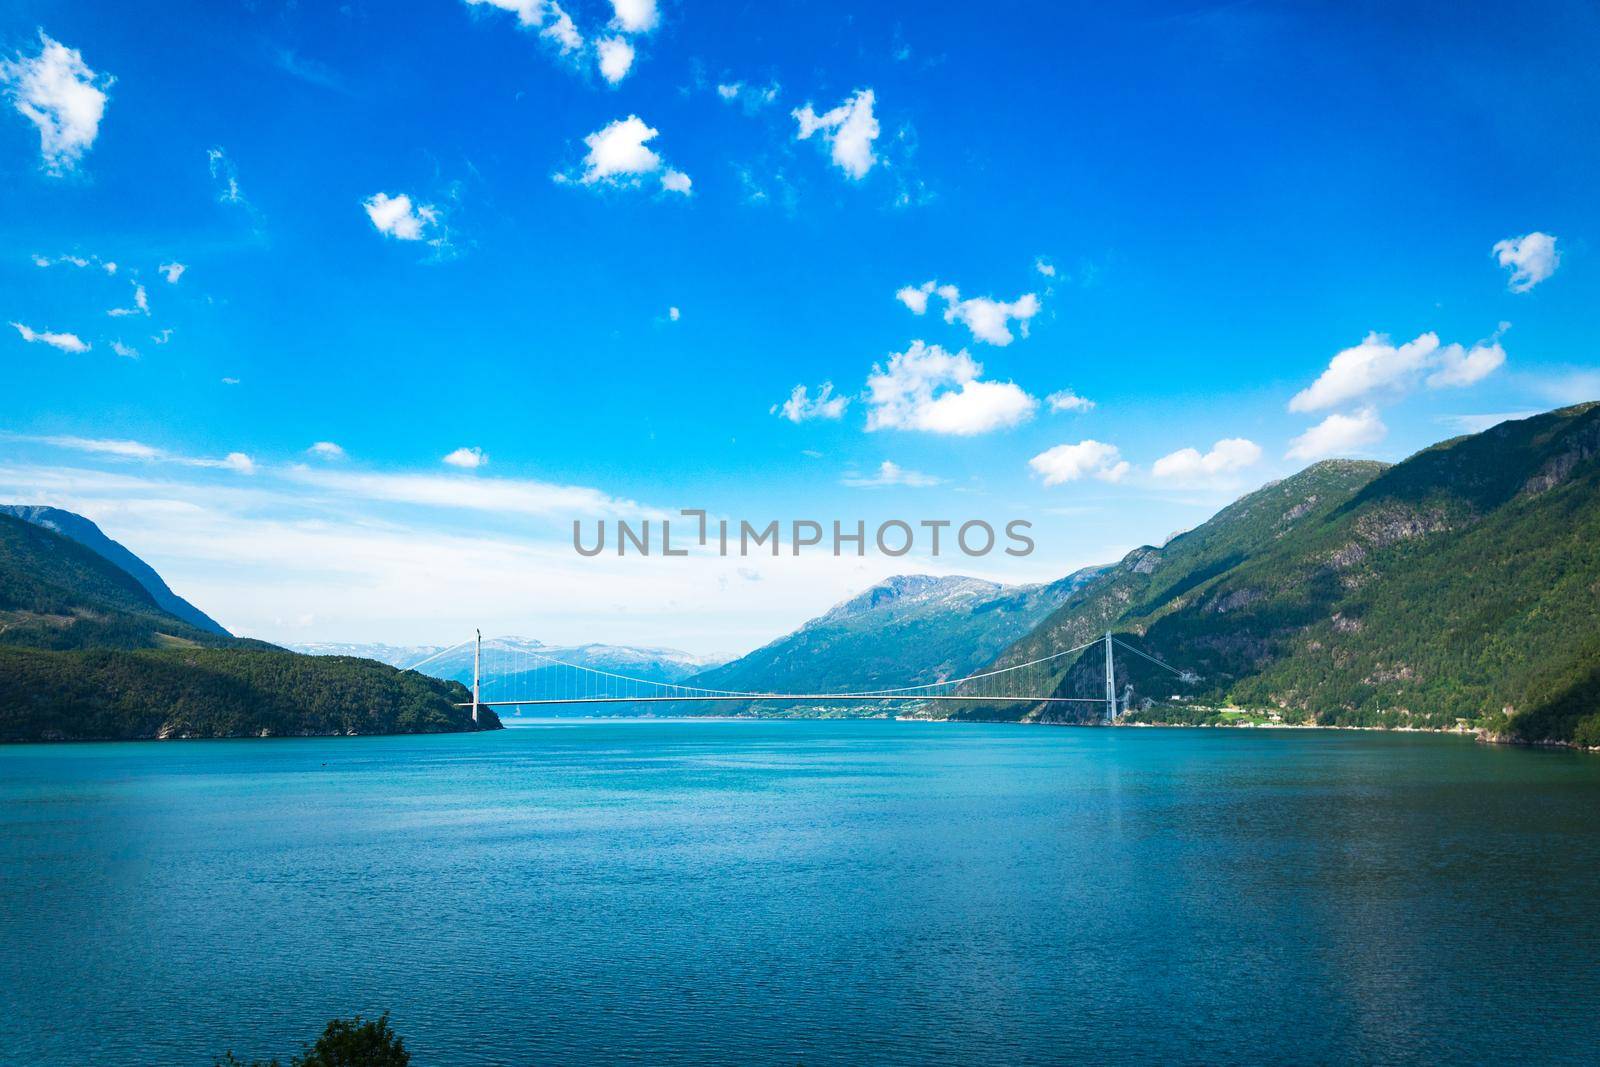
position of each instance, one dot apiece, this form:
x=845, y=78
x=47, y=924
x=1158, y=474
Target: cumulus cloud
x=635, y=16
x=397, y=217
x=801, y=406
x=67, y=342
x=326, y=450
x=1531, y=259
x=1338, y=434
x=849, y=130
x=889, y=473
x=1067, y=400
x=126, y=351
x=926, y=388
x=58, y=93
x=1190, y=465
x=1044, y=267
x=915, y=297
x=141, y=303
x=1086, y=459
x=616, y=58
x=619, y=155
x=1377, y=365
x=988, y=319
x=172, y=271
x=467, y=458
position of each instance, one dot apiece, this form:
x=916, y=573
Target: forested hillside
x=87, y=653
x=1461, y=584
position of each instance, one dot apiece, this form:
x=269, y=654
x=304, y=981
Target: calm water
x=747, y=892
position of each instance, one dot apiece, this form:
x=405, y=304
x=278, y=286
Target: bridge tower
x=477, y=654
x=1111, y=684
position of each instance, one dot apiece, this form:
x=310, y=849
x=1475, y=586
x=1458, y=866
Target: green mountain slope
x=906, y=630
x=56, y=593
x=1461, y=584
x=86, y=653
x=91, y=537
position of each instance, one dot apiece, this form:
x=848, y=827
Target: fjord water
x=817, y=892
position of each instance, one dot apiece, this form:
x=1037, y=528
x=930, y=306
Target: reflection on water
x=832, y=892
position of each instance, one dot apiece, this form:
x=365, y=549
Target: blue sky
x=1226, y=201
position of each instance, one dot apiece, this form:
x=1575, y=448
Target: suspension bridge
x=525, y=677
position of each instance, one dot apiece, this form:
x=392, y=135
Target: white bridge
x=528, y=678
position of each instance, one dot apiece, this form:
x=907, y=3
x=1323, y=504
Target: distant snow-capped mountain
x=512, y=654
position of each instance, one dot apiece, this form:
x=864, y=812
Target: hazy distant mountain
x=907, y=630
x=393, y=655
x=87, y=534
x=518, y=666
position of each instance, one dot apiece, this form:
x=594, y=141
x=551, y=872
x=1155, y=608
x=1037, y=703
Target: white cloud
x=528, y=12
x=562, y=30
x=508, y=496
x=71, y=261
x=676, y=181
x=127, y=351
x=1086, y=459
x=67, y=342
x=1338, y=434
x=230, y=381
x=398, y=218
x=172, y=271
x=58, y=93
x=926, y=388
x=467, y=458
x=635, y=16
x=141, y=303
x=674, y=314
x=849, y=129
x=889, y=473
x=749, y=97
x=1531, y=258
x=1044, y=267
x=226, y=177
x=163, y=337
x=125, y=449
x=619, y=155
x=616, y=58
x=915, y=297
x=801, y=406
x=326, y=450
x=101, y=445
x=1067, y=400
x=987, y=318
x=1189, y=465
x=1456, y=367
x=1378, y=365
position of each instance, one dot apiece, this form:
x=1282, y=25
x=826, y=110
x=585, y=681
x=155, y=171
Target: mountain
x=906, y=630
x=89, y=535
x=1459, y=586
x=393, y=655
x=521, y=666
x=86, y=653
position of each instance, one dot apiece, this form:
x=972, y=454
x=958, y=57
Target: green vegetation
x=87, y=654
x=110, y=694
x=1461, y=584
x=344, y=1043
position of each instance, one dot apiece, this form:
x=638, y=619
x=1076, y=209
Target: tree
x=344, y=1043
